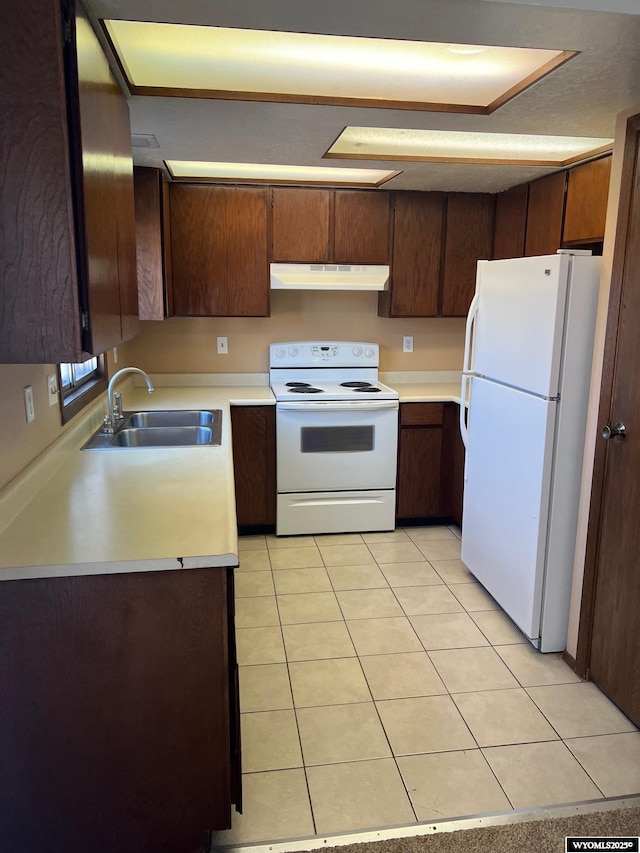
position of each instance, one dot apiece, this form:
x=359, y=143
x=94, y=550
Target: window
x=80, y=384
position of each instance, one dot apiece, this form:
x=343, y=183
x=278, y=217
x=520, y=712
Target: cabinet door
x=419, y=460
x=153, y=259
x=545, y=211
x=469, y=239
x=510, y=223
x=219, y=251
x=114, y=724
x=452, y=469
x=301, y=225
x=586, y=207
x=39, y=315
x=253, y=437
x=361, y=227
x=415, y=267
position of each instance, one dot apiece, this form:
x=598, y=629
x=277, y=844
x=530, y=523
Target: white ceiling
x=581, y=98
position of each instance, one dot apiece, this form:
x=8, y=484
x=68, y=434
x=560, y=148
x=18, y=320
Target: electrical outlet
x=407, y=343
x=223, y=346
x=52, y=389
x=29, y=411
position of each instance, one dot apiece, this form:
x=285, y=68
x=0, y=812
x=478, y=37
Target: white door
x=518, y=331
x=506, y=497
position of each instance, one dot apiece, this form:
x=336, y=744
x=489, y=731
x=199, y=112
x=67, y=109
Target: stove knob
x=369, y=352
x=281, y=352
x=293, y=351
x=357, y=351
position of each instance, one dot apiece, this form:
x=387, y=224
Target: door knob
x=618, y=431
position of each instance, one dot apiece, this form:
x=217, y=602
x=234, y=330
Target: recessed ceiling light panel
x=263, y=65
x=252, y=173
x=444, y=146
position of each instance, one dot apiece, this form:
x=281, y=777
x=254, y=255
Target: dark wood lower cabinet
x=430, y=463
x=253, y=435
x=452, y=467
x=117, y=718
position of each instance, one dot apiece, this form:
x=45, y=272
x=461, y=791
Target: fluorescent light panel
x=444, y=146
x=219, y=62
x=190, y=170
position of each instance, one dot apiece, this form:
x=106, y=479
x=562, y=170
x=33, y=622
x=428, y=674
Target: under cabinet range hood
x=329, y=277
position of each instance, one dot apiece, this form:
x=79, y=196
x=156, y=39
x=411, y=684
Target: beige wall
x=188, y=345
x=21, y=442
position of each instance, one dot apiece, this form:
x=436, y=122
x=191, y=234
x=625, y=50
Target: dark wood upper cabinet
x=300, y=225
x=545, y=212
x=219, y=251
x=361, y=227
x=416, y=254
x=153, y=241
x=469, y=239
x=510, y=222
x=68, y=260
x=586, y=205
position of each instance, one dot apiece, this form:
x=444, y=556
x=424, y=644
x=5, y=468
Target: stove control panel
x=323, y=353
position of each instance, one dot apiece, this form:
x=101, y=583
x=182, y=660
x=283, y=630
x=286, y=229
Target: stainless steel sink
x=169, y=418
x=184, y=436
x=177, y=428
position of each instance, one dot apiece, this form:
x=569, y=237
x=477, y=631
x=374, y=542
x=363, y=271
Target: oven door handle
x=337, y=406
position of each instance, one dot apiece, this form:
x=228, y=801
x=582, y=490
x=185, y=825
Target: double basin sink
x=161, y=428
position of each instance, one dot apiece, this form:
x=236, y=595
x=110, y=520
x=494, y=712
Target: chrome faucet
x=115, y=400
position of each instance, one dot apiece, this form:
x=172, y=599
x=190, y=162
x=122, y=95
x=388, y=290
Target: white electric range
x=336, y=436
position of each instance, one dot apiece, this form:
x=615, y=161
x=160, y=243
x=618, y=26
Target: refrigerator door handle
x=471, y=319
x=464, y=430
x=466, y=366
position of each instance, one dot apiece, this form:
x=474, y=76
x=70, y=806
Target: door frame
x=587, y=606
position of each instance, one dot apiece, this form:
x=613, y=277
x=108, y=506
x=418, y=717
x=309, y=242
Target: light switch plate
x=52, y=389
x=29, y=410
x=223, y=346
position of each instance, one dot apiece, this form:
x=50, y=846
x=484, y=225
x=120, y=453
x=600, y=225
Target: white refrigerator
x=526, y=375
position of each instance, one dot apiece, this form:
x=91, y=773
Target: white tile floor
x=381, y=685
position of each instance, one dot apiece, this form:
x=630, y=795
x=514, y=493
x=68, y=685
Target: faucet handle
x=117, y=406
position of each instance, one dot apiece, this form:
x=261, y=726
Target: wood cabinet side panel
x=586, y=206
x=300, y=225
x=149, y=243
x=219, y=251
x=114, y=726
x=469, y=239
x=97, y=192
x=510, y=223
x=126, y=222
x=545, y=211
x=417, y=248
x=253, y=432
x=361, y=227
x=418, y=486
x=39, y=313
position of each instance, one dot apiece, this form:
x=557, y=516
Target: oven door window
x=337, y=439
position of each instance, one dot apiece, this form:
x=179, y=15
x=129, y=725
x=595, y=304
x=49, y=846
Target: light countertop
x=129, y=510
x=77, y=512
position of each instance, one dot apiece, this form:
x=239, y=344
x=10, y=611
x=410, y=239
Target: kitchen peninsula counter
x=75, y=512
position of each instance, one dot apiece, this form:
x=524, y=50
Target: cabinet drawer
x=420, y=414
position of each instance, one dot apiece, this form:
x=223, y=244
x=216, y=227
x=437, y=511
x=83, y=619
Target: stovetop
x=326, y=370
x=332, y=390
